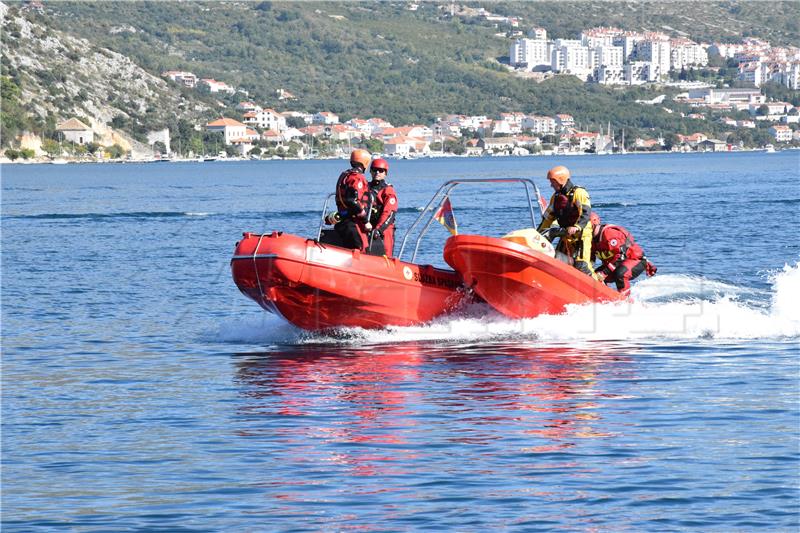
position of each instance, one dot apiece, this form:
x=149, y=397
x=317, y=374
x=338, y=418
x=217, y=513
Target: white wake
x=664, y=307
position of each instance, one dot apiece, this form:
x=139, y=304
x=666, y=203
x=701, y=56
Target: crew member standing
x=622, y=259
x=351, y=220
x=384, y=206
x=570, y=207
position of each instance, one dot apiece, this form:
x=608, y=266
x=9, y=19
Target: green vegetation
x=380, y=59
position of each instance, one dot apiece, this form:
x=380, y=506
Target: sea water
x=142, y=391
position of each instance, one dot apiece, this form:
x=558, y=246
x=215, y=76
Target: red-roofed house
x=693, y=139
x=342, y=132
x=231, y=129
x=76, y=131
x=586, y=139
x=215, y=86
x=404, y=146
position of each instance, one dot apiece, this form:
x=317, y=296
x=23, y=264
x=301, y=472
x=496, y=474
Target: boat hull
x=319, y=286
x=518, y=281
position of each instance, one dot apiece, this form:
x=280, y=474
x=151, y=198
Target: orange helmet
x=558, y=174
x=594, y=218
x=360, y=156
x=380, y=164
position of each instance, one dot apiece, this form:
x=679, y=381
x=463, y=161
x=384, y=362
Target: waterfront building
x=781, y=133
x=231, y=129
x=75, y=131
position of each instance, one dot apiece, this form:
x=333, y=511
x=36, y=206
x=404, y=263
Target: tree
x=12, y=154
x=671, y=140
x=763, y=110
x=373, y=145
x=296, y=122
x=115, y=151
x=51, y=147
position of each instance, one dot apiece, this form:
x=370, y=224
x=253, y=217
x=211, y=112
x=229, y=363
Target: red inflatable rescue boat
x=518, y=278
x=319, y=286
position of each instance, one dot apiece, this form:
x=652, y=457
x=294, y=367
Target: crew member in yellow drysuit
x=570, y=207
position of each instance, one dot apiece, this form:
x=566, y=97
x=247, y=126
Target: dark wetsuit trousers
x=350, y=234
x=628, y=270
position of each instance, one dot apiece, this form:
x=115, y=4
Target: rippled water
x=141, y=390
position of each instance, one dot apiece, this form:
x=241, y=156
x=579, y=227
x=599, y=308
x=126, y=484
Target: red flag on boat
x=445, y=216
x=542, y=202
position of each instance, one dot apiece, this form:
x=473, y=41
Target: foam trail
x=263, y=328
x=676, y=307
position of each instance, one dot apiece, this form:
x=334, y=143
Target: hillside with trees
x=384, y=59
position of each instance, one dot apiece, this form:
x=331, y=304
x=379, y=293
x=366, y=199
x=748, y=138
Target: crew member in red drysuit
x=384, y=205
x=352, y=198
x=622, y=259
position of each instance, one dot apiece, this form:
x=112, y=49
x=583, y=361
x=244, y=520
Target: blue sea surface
x=142, y=391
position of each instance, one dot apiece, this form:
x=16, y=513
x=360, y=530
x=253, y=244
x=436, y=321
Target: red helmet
x=360, y=156
x=380, y=164
x=594, y=218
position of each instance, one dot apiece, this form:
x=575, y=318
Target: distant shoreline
x=6, y=161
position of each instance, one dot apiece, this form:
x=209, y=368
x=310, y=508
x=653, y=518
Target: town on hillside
x=608, y=56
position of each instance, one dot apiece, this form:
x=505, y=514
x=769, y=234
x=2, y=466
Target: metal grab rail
x=444, y=191
x=324, y=214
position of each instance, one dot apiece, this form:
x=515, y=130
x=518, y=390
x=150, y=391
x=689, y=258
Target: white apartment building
x=755, y=72
x=325, y=117
x=791, y=77
x=627, y=41
x=610, y=56
x=781, y=133
x=539, y=34
x=571, y=57
x=187, y=79
x=637, y=72
x=268, y=119
x=726, y=50
x=530, y=53
x=610, y=75
x=537, y=124
x=656, y=52
x=600, y=36
x=685, y=53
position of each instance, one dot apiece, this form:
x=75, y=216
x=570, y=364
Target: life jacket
x=623, y=248
x=380, y=190
x=352, y=193
x=564, y=208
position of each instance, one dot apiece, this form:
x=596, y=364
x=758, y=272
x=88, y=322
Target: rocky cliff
x=60, y=76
